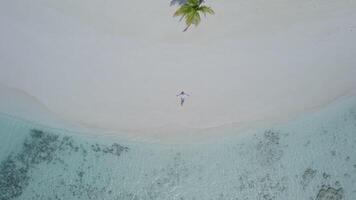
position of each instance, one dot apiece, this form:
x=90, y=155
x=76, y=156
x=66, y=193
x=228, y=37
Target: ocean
x=312, y=157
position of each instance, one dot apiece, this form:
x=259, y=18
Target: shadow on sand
x=177, y=2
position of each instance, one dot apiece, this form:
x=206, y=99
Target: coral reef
x=269, y=148
x=47, y=148
x=330, y=193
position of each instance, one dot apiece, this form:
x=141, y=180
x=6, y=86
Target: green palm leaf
x=193, y=18
x=206, y=10
x=183, y=10
x=190, y=11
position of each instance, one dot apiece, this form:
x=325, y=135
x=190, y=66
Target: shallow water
x=312, y=157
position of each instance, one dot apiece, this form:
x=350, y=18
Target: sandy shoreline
x=16, y=104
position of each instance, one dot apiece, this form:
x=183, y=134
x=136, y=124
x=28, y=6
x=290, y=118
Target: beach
x=91, y=65
x=89, y=106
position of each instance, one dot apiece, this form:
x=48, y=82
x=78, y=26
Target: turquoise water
x=312, y=157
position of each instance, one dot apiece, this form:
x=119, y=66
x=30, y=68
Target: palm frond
x=183, y=10
x=206, y=9
x=193, y=18
x=190, y=12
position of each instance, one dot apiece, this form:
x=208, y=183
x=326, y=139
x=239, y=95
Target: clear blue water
x=312, y=157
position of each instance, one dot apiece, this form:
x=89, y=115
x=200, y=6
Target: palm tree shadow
x=177, y=2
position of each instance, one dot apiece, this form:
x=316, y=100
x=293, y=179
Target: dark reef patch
x=326, y=175
x=47, y=148
x=269, y=148
x=308, y=176
x=269, y=187
x=330, y=193
x=13, y=178
x=40, y=147
x=114, y=149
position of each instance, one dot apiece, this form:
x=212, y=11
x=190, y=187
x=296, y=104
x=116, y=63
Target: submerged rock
x=330, y=193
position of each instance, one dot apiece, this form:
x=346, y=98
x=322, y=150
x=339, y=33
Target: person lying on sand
x=182, y=96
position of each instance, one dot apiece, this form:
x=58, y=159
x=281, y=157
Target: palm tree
x=191, y=10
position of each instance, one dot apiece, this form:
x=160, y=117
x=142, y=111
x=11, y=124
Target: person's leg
x=181, y=101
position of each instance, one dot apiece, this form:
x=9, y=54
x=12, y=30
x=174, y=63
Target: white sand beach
x=117, y=65
x=88, y=106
